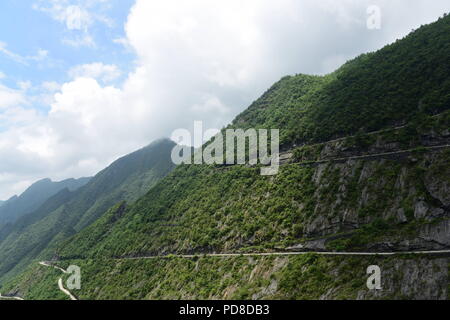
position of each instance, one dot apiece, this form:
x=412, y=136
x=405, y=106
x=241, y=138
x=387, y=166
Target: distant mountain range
x=34, y=197
x=366, y=170
x=69, y=211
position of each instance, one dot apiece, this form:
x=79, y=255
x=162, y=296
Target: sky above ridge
x=83, y=82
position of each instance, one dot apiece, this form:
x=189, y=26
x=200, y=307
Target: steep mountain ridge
x=33, y=197
x=127, y=179
x=201, y=208
x=373, y=91
x=370, y=191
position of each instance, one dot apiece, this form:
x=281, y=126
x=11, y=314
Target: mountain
x=365, y=169
x=47, y=207
x=34, y=197
x=67, y=212
x=383, y=187
x=374, y=91
x=1, y=202
x=192, y=197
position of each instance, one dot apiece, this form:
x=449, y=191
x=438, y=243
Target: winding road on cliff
x=224, y=255
x=60, y=281
x=297, y=253
x=10, y=297
x=287, y=159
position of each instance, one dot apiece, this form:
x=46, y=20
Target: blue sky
x=83, y=82
x=26, y=29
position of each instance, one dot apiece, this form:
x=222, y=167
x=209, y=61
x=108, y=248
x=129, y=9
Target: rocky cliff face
x=415, y=279
x=399, y=191
x=394, y=176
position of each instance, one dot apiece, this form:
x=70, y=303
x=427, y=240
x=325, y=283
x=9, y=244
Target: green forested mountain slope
x=373, y=91
x=47, y=207
x=308, y=276
x=375, y=205
x=383, y=191
x=34, y=197
x=205, y=209
x=68, y=212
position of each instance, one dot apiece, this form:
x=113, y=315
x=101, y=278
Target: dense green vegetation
x=36, y=283
x=37, y=234
x=374, y=91
x=300, y=277
x=203, y=209
x=309, y=276
x=413, y=135
x=206, y=209
x=378, y=231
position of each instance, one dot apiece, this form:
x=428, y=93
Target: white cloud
x=24, y=85
x=98, y=70
x=40, y=55
x=195, y=60
x=209, y=104
x=10, y=97
x=50, y=86
x=122, y=41
x=10, y=54
x=77, y=17
x=84, y=40
x=15, y=185
x=45, y=93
